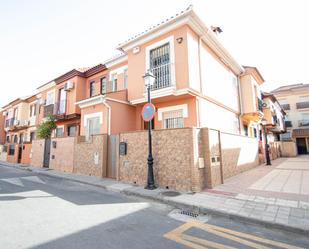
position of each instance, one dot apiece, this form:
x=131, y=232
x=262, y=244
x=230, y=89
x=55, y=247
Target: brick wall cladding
x=173, y=158
x=63, y=154
x=37, y=153
x=84, y=153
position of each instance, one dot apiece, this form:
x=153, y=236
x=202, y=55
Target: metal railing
x=48, y=109
x=303, y=122
x=163, y=76
x=301, y=105
x=288, y=123
x=285, y=106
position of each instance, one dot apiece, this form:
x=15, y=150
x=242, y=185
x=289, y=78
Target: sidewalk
x=282, y=214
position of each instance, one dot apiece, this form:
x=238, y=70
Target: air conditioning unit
x=69, y=85
x=16, y=122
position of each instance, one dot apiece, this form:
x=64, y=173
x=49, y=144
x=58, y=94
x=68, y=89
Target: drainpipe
x=239, y=101
x=201, y=82
x=109, y=116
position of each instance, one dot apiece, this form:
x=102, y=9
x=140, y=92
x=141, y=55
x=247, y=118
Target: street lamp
x=149, y=82
x=264, y=122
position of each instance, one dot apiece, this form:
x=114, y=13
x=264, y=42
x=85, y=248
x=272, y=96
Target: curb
x=169, y=201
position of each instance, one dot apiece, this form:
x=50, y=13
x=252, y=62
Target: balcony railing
x=288, y=124
x=286, y=106
x=301, y=105
x=163, y=76
x=304, y=122
x=48, y=110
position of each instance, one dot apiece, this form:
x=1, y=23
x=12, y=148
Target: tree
x=46, y=128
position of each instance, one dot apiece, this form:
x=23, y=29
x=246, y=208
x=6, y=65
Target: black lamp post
x=264, y=122
x=149, y=81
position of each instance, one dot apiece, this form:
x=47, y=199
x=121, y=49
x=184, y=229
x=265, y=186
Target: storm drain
x=186, y=216
x=170, y=193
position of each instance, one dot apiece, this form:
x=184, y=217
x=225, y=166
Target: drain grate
x=188, y=213
x=186, y=216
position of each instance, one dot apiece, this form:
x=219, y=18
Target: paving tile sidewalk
x=266, y=212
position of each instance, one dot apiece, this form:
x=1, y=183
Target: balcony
x=286, y=107
x=162, y=74
x=302, y=105
x=288, y=124
x=48, y=110
x=303, y=122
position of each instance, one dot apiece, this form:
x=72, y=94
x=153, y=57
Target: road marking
x=249, y=240
x=14, y=181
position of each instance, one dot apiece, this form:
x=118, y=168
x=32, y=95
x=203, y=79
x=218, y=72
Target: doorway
x=301, y=146
x=20, y=153
x=46, y=153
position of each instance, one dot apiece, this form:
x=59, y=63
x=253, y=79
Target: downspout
x=201, y=82
x=109, y=117
x=239, y=101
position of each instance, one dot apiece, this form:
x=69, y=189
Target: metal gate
x=112, y=155
x=46, y=153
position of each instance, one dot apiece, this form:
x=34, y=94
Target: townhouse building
x=274, y=116
x=20, y=126
x=295, y=101
x=197, y=84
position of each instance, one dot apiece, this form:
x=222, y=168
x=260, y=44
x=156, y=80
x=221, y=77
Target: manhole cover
x=170, y=193
x=186, y=216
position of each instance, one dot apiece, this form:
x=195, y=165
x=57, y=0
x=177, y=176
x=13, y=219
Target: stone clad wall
x=90, y=157
x=3, y=154
x=173, y=158
x=288, y=148
x=37, y=153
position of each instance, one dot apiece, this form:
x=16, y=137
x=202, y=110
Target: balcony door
x=160, y=66
x=62, y=101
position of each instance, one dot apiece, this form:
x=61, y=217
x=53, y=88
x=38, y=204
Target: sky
x=40, y=40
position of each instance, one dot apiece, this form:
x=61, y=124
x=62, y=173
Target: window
x=50, y=98
x=160, y=66
x=32, y=136
x=15, y=139
x=114, y=82
x=103, y=85
x=62, y=101
x=72, y=131
x=21, y=138
x=11, y=150
x=125, y=79
x=91, y=89
x=246, y=130
x=32, y=110
x=59, y=131
x=7, y=139
x=255, y=132
x=286, y=136
x=93, y=126
x=173, y=119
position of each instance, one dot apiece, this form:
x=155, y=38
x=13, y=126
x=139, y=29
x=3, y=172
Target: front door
x=20, y=153
x=46, y=153
x=301, y=146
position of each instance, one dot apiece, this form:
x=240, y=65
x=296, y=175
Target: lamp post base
x=150, y=187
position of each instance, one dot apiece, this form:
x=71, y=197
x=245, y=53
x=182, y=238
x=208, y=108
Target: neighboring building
x=2, y=132
x=275, y=117
x=20, y=126
x=294, y=99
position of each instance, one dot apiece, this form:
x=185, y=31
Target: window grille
x=173, y=119
x=160, y=66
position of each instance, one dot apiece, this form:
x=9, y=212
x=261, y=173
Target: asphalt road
x=37, y=211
